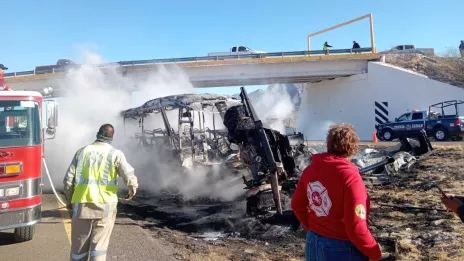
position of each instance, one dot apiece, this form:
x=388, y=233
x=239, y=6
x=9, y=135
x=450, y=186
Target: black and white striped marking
x=381, y=112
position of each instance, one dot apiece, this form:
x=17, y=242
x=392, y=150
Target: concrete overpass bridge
x=361, y=90
x=217, y=71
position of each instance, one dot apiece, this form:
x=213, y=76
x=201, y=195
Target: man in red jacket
x=332, y=203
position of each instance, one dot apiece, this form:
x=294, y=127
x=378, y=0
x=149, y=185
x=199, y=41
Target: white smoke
x=94, y=97
x=274, y=106
x=305, y=122
x=319, y=131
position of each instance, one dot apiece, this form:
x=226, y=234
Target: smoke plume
x=274, y=106
x=93, y=97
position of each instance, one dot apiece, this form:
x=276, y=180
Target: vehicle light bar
x=11, y=169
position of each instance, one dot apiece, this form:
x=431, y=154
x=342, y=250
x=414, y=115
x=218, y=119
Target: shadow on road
x=52, y=213
x=6, y=238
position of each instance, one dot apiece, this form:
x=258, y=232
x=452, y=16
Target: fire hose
x=51, y=183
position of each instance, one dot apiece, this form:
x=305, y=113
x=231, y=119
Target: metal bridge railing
x=197, y=59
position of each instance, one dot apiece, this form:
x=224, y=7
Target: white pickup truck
x=409, y=48
x=240, y=49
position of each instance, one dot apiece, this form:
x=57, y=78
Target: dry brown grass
x=449, y=147
x=444, y=69
x=406, y=250
x=421, y=235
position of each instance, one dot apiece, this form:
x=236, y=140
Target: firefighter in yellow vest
x=91, y=186
x=326, y=48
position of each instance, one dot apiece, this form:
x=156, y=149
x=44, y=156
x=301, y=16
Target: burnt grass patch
x=228, y=218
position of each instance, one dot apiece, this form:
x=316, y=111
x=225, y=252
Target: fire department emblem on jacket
x=318, y=199
x=360, y=211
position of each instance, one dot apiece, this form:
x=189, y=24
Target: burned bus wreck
x=191, y=134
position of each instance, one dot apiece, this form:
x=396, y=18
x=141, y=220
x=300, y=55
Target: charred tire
x=23, y=234
x=387, y=135
x=440, y=134
x=252, y=206
x=289, y=186
x=263, y=202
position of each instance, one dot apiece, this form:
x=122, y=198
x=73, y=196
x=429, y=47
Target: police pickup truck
x=437, y=125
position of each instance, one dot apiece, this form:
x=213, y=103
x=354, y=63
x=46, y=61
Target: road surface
x=51, y=241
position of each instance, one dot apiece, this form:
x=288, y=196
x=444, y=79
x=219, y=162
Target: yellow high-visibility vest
x=96, y=179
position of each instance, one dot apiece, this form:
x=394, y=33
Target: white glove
x=132, y=192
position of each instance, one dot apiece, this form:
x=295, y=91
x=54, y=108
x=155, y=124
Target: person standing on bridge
x=3, y=85
x=332, y=204
x=2, y=80
x=326, y=48
x=356, y=46
x=91, y=187
x=461, y=48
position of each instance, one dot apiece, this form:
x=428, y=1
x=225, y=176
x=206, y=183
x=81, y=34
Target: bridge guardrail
x=196, y=59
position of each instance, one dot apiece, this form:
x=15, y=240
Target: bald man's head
x=106, y=130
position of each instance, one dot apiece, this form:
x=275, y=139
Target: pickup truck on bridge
x=60, y=66
x=236, y=50
x=437, y=125
x=410, y=48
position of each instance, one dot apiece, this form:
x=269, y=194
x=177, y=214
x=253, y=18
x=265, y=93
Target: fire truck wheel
x=23, y=234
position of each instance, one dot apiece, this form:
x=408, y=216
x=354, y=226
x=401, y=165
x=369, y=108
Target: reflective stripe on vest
x=96, y=178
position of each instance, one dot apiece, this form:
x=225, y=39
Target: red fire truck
x=22, y=136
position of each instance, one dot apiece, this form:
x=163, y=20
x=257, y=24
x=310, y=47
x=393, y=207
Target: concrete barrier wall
x=352, y=99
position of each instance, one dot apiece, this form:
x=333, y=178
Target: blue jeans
x=320, y=248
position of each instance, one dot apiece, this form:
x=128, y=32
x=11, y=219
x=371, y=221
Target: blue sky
x=40, y=32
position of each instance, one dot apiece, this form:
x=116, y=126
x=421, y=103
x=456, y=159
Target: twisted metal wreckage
x=192, y=141
x=280, y=159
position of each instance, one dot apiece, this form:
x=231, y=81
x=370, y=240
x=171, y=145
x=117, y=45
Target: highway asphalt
x=51, y=241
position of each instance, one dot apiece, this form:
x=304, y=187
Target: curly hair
x=342, y=140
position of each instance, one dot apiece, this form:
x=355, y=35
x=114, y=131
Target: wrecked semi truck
x=277, y=165
x=274, y=160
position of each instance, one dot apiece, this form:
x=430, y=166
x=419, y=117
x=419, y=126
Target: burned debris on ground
x=407, y=217
x=380, y=167
x=415, y=228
